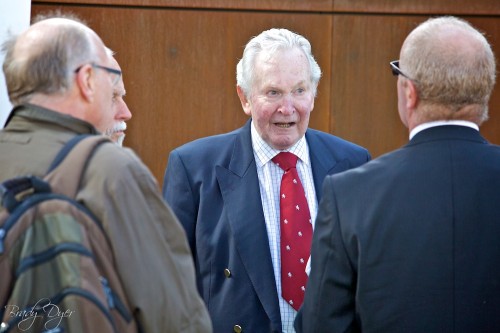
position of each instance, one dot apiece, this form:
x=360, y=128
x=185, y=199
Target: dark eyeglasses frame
x=396, y=70
x=117, y=72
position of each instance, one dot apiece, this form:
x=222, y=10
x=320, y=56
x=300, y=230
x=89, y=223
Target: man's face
x=102, y=113
x=281, y=99
x=114, y=122
x=116, y=131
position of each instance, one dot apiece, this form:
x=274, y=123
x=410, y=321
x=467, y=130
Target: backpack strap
x=66, y=171
x=61, y=155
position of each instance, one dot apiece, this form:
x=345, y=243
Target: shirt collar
x=424, y=126
x=264, y=152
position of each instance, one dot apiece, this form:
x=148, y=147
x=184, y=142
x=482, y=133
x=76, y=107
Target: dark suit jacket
x=213, y=188
x=410, y=242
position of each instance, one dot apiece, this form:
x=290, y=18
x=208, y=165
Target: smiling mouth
x=284, y=125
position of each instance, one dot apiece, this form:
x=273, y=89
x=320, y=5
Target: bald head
x=62, y=65
x=43, y=32
x=451, y=64
x=42, y=59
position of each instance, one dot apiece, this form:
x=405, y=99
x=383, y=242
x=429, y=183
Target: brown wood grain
x=179, y=62
x=266, y=5
x=180, y=69
x=426, y=7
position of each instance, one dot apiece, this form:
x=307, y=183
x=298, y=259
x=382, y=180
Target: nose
x=124, y=112
x=287, y=106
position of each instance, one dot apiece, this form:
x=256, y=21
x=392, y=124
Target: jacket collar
x=447, y=132
x=42, y=114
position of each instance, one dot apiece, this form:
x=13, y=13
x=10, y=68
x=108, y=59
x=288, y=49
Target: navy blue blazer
x=212, y=186
x=410, y=242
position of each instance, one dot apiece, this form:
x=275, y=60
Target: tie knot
x=285, y=160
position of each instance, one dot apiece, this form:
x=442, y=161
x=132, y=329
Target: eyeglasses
x=117, y=73
x=396, y=70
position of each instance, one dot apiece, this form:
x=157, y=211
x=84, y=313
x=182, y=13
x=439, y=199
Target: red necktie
x=296, y=231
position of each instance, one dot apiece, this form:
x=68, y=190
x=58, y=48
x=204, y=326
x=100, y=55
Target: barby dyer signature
x=48, y=312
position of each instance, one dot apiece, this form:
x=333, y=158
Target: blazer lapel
x=322, y=164
x=239, y=186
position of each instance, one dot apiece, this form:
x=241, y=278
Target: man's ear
x=85, y=82
x=411, y=94
x=245, y=103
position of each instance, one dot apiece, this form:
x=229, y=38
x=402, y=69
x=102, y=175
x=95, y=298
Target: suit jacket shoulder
x=339, y=149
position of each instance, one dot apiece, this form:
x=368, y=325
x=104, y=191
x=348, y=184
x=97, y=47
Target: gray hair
x=452, y=66
x=271, y=41
x=48, y=63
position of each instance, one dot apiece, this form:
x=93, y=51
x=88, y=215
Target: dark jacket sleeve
x=329, y=300
x=178, y=193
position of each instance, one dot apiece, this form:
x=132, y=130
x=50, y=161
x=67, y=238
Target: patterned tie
x=296, y=231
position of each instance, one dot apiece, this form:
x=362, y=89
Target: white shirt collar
x=424, y=126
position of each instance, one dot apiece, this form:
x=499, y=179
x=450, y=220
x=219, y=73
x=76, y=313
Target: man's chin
x=118, y=138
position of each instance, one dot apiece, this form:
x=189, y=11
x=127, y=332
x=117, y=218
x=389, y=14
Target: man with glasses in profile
x=409, y=242
x=116, y=132
x=61, y=81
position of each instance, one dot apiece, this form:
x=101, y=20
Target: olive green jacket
x=151, y=252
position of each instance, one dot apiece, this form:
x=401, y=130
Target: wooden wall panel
x=364, y=99
x=364, y=91
x=180, y=69
x=427, y=7
x=267, y=5
x=179, y=59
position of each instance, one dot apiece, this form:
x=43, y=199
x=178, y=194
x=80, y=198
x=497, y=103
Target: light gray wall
x=14, y=18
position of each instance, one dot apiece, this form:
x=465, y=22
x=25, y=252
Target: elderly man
x=247, y=199
x=61, y=81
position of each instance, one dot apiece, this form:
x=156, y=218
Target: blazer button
x=227, y=273
x=237, y=329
